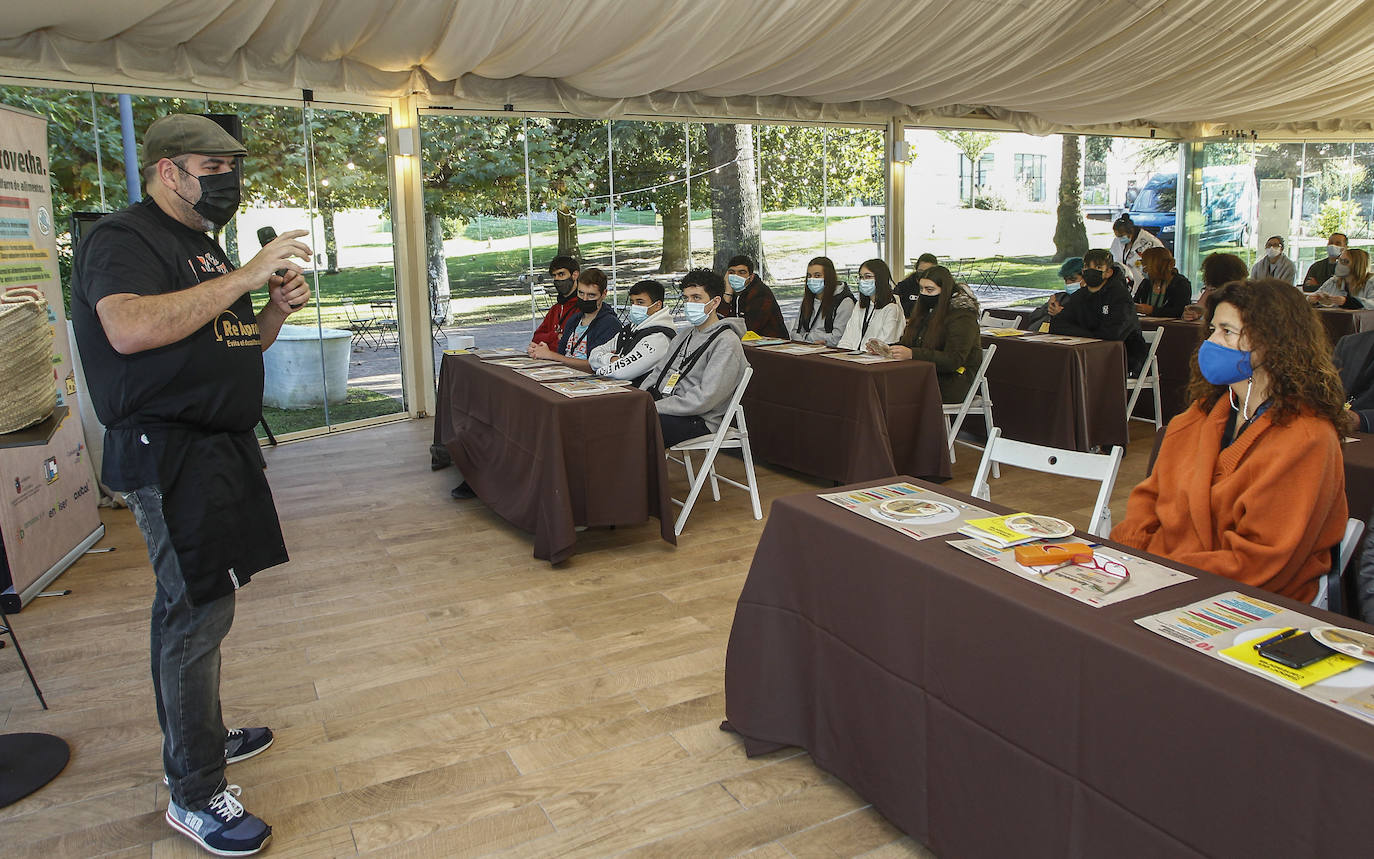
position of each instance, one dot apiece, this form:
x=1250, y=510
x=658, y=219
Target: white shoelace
x=225, y=806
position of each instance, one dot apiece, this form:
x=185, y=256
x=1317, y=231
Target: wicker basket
x=28, y=393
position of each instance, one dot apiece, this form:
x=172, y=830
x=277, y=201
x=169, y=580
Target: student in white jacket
x=879, y=314
x=642, y=343
x=1130, y=242
x=826, y=305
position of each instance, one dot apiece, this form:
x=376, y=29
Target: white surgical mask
x=696, y=312
x=867, y=286
x=1334, y=251
x=1272, y=252
x=815, y=284
x=638, y=313
x=736, y=282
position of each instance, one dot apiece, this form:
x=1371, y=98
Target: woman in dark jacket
x=1164, y=292
x=943, y=329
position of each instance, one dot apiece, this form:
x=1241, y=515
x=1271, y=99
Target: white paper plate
x=1040, y=527
x=1351, y=642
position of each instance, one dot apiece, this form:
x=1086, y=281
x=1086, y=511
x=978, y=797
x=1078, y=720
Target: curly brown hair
x=1284, y=328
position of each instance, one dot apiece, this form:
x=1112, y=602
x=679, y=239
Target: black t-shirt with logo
x=209, y=382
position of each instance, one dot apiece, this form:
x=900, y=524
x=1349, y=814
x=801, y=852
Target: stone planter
x=294, y=376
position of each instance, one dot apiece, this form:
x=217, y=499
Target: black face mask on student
x=1092, y=278
x=564, y=285
x=928, y=302
x=586, y=305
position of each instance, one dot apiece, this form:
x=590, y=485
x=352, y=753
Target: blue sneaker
x=222, y=827
x=242, y=743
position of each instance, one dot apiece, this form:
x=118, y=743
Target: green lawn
x=360, y=403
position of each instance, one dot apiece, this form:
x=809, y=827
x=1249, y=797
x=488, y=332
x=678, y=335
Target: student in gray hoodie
x=705, y=361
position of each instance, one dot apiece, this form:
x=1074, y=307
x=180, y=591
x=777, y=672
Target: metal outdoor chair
x=386, y=326
x=361, y=326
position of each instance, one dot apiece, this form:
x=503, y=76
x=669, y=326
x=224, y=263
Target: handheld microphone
x=267, y=235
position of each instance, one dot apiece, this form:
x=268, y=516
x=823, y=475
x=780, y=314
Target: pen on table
x=1274, y=639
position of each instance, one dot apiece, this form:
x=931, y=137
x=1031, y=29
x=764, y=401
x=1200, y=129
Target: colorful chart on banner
x=1094, y=586
x=1229, y=620
x=798, y=348
x=587, y=388
x=908, y=509
x=859, y=357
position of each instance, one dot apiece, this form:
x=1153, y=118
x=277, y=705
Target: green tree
x=736, y=223
x=792, y=162
x=1070, y=233
x=972, y=144
x=650, y=174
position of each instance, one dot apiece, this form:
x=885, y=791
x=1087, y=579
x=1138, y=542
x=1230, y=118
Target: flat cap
x=186, y=133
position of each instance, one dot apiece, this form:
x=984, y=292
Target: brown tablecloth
x=1342, y=322
x=845, y=421
x=989, y=717
x=1175, y=356
x=547, y=463
x=1359, y=476
x=1071, y=397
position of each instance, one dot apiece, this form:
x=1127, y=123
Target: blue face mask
x=815, y=284
x=696, y=313
x=638, y=314
x=1072, y=287
x=736, y=282
x=867, y=286
x=1221, y=365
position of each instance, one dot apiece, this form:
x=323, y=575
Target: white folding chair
x=1329, y=590
x=976, y=400
x=987, y=320
x=1148, y=378
x=1051, y=460
x=733, y=433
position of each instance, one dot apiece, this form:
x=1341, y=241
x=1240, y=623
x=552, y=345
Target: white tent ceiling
x=1187, y=67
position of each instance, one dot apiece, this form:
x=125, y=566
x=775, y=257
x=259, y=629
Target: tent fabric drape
x=1185, y=67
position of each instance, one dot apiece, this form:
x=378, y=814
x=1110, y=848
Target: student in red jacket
x=564, y=271
x=1249, y=482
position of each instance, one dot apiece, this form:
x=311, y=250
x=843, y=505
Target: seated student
x=943, y=330
x=1350, y=287
x=1249, y=481
x=1324, y=269
x=825, y=306
x=1274, y=263
x=754, y=301
x=1164, y=292
x=879, y=314
x=705, y=361
x=642, y=342
x=564, y=271
x=596, y=325
x=1130, y=242
x=1217, y=271
x=1071, y=272
x=1103, y=309
x=910, y=287
x=1354, y=360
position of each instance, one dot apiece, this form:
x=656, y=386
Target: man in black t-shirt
x=173, y=358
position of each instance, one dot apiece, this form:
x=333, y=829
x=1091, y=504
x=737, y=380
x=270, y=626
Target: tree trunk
x=331, y=246
x=735, y=219
x=231, y=241
x=436, y=267
x=675, y=225
x=1070, y=233
x=568, y=244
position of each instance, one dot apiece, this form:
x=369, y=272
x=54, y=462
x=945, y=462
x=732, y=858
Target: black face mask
x=219, y=196
x=564, y=286
x=1092, y=278
x=586, y=305
x=928, y=302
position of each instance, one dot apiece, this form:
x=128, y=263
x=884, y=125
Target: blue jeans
x=185, y=660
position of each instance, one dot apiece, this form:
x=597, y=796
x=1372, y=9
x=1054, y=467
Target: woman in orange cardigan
x=1249, y=481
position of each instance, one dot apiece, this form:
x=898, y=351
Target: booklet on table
x=907, y=509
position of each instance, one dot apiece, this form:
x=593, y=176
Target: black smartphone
x=1298, y=651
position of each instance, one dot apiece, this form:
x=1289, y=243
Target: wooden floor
x=438, y=692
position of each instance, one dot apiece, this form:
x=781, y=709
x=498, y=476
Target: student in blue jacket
x=597, y=324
